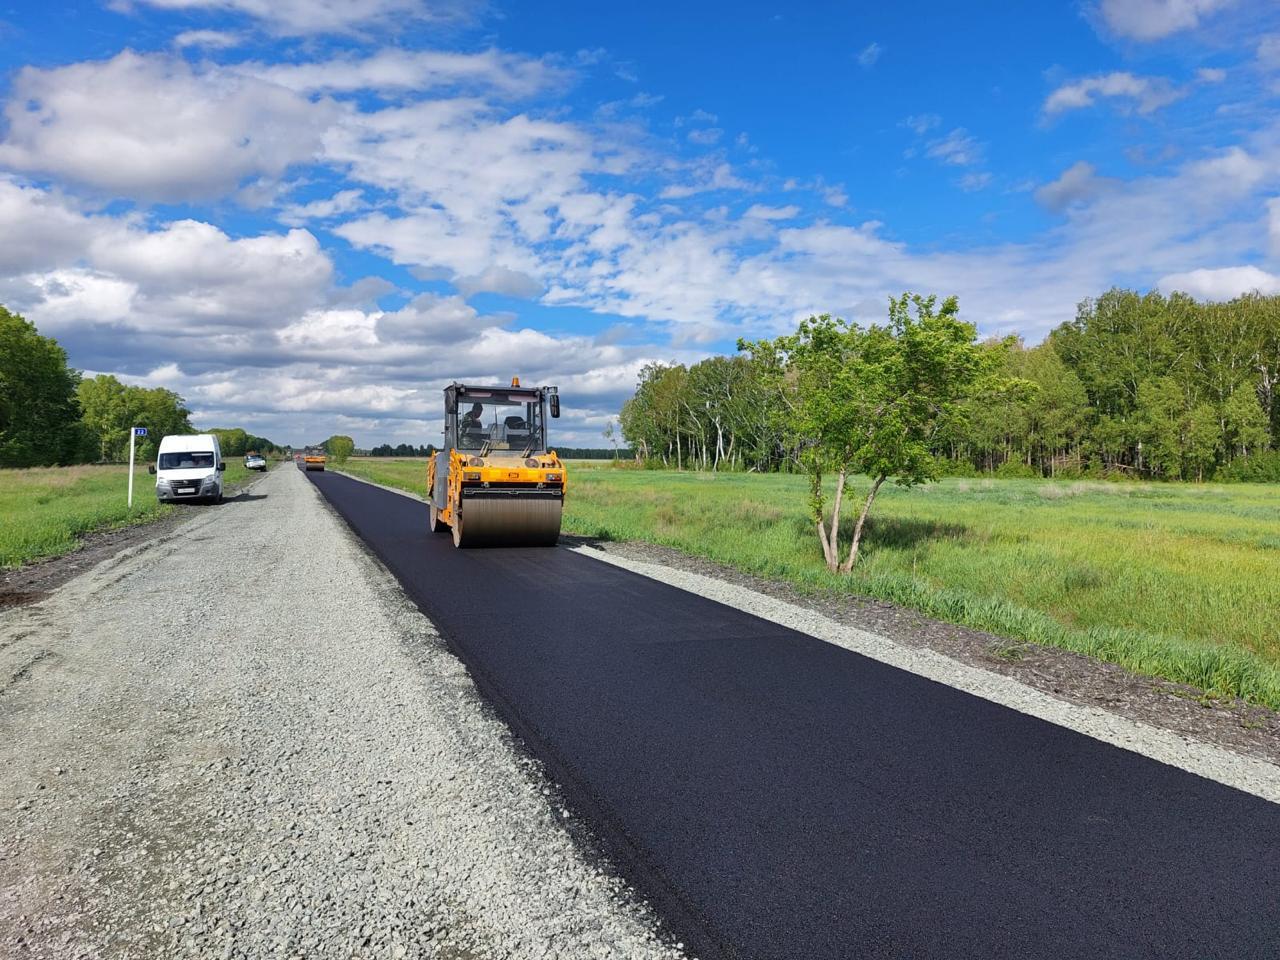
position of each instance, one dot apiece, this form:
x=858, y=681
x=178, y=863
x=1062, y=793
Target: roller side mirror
x=555, y=405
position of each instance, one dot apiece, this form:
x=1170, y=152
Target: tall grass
x=1173, y=581
x=45, y=511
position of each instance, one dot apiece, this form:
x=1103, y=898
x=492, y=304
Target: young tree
x=872, y=400
x=611, y=435
x=339, y=447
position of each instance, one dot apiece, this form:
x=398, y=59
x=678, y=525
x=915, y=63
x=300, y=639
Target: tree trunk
x=815, y=502
x=847, y=566
x=833, y=553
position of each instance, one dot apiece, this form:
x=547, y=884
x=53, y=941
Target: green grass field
x=1169, y=580
x=44, y=511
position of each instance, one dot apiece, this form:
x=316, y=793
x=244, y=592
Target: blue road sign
x=139, y=431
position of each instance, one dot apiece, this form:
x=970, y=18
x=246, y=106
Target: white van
x=189, y=468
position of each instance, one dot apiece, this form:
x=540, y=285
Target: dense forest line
x=50, y=414
x=1138, y=385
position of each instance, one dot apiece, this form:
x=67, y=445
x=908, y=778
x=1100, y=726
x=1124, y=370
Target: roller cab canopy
x=498, y=419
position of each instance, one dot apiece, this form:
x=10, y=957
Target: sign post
x=134, y=434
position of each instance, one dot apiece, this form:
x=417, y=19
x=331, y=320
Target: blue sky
x=306, y=216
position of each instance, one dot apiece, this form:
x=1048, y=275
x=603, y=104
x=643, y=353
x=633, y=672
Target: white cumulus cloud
x=304, y=17
x=1145, y=94
x=151, y=127
x=1148, y=20
x=1223, y=283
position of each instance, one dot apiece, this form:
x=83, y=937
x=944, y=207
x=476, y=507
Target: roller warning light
x=496, y=483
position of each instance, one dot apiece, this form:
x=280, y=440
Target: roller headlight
x=475, y=462
x=531, y=462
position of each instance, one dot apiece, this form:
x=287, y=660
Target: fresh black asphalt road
x=777, y=796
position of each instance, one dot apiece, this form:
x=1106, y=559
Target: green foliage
x=402, y=450
x=1260, y=468
x=876, y=400
x=236, y=442
x=110, y=409
x=39, y=416
x=1140, y=386
x=338, y=448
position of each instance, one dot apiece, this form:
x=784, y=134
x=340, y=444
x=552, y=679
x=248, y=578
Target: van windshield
x=187, y=460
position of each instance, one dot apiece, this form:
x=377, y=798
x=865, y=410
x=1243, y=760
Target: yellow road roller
x=496, y=483
x=313, y=459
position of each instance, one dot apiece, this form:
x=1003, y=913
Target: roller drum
x=507, y=521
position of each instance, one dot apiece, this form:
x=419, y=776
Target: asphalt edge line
x=1249, y=774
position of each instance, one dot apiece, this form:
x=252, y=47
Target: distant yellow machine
x=496, y=483
x=313, y=459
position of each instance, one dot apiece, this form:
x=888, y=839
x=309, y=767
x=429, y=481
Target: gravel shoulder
x=34, y=581
x=239, y=740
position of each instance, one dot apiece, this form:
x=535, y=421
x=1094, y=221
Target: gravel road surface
x=241, y=741
x=780, y=796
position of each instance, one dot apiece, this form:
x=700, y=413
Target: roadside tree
x=873, y=400
x=339, y=447
x=39, y=415
x=111, y=408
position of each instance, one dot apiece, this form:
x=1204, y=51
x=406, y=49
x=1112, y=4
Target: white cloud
x=1269, y=51
x=53, y=232
x=1147, y=94
x=208, y=39
x=869, y=55
x=479, y=188
x=497, y=279
x=1273, y=225
x=419, y=71
x=1148, y=20
x=922, y=123
x=1078, y=184
x=341, y=203
x=973, y=182
x=150, y=127
x=340, y=330
x=705, y=136
x=759, y=211
x=957, y=148
x=192, y=271
x=303, y=17
x=1221, y=284
x=719, y=176
x=1211, y=75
